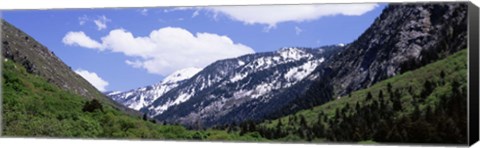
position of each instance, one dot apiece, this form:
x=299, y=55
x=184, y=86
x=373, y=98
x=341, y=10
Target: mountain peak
x=181, y=74
x=144, y=96
x=292, y=53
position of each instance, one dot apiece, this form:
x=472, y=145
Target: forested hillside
x=427, y=105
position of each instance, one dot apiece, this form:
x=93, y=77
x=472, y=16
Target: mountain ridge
x=404, y=37
x=253, y=78
x=37, y=59
x=140, y=97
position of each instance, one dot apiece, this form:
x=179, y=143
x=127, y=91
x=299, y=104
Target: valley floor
x=426, y=105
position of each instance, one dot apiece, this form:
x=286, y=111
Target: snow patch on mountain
x=180, y=99
x=181, y=75
x=238, y=77
x=293, y=53
x=241, y=63
x=144, y=96
x=300, y=72
x=113, y=93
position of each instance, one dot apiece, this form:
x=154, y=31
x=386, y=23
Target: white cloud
x=169, y=49
x=82, y=40
x=101, y=22
x=82, y=20
x=195, y=13
x=177, y=9
x=93, y=79
x=135, y=64
x=272, y=15
x=144, y=12
x=298, y=30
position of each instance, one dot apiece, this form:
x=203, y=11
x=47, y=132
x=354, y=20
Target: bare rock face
x=404, y=37
x=39, y=60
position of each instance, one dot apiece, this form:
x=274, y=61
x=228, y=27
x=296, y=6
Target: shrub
x=91, y=106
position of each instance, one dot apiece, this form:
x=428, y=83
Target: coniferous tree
x=278, y=131
x=303, y=122
x=380, y=94
x=442, y=74
x=145, y=118
x=369, y=96
x=389, y=87
x=428, y=88
x=397, y=105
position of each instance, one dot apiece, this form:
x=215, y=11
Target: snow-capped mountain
x=144, y=96
x=247, y=87
x=272, y=84
x=181, y=75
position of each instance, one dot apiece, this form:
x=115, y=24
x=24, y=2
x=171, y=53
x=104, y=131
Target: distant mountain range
x=272, y=84
x=144, y=96
x=263, y=76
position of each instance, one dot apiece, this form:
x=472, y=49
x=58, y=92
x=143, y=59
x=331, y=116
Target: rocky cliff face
x=37, y=59
x=402, y=38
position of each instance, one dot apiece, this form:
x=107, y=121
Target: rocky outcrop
x=403, y=37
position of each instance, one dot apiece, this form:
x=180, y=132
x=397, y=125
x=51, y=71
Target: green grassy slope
x=427, y=105
x=37, y=59
x=32, y=107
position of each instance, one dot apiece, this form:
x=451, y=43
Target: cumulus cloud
x=93, y=79
x=82, y=40
x=101, y=22
x=272, y=15
x=169, y=49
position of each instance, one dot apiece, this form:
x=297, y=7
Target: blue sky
x=122, y=49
